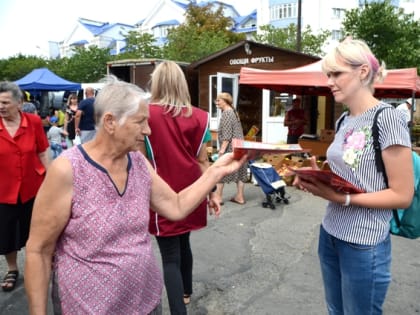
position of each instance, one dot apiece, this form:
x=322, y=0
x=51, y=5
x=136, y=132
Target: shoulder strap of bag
x=380, y=167
x=340, y=121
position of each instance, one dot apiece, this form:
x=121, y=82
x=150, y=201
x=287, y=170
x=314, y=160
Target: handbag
x=64, y=143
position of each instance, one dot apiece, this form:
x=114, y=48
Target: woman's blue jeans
x=356, y=277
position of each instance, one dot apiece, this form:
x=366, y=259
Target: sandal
x=9, y=280
x=187, y=299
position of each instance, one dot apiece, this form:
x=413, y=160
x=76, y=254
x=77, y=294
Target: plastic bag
x=77, y=140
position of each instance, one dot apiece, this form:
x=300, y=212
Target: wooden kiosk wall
x=249, y=54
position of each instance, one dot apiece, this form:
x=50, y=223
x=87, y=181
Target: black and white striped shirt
x=356, y=224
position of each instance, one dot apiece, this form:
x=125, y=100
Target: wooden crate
x=327, y=135
x=274, y=159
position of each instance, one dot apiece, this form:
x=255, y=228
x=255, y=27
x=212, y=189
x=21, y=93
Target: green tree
x=18, y=66
x=140, y=45
x=286, y=38
x=205, y=31
x=393, y=36
x=86, y=65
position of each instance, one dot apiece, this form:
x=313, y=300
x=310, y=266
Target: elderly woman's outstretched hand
x=227, y=164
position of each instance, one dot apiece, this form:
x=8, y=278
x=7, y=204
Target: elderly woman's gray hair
x=120, y=98
x=13, y=88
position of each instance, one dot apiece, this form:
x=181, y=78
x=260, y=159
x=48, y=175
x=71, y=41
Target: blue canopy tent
x=43, y=79
x=43, y=82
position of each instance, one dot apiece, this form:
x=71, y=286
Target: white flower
x=350, y=156
x=354, y=144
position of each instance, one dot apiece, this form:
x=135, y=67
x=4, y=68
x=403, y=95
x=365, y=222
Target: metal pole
x=299, y=28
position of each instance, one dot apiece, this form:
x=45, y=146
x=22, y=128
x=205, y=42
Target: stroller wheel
x=272, y=207
x=278, y=199
x=265, y=205
x=286, y=201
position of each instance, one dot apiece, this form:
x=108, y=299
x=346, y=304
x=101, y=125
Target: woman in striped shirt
x=354, y=243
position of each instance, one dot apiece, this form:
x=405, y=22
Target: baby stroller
x=270, y=182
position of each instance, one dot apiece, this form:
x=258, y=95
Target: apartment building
x=319, y=14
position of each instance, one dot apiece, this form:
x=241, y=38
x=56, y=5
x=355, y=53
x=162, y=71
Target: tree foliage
x=86, y=65
x=286, y=38
x=393, y=36
x=140, y=45
x=16, y=67
x=204, y=31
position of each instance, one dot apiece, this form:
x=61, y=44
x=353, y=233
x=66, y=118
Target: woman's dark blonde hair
x=226, y=97
x=229, y=100
x=71, y=95
x=170, y=89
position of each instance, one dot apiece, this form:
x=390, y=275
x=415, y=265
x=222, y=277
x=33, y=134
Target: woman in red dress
x=23, y=161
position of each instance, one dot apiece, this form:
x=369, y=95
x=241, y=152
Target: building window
x=213, y=96
x=161, y=31
x=283, y=11
x=395, y=3
x=336, y=35
x=338, y=13
x=249, y=24
x=277, y=104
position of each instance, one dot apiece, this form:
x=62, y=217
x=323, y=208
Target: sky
x=26, y=26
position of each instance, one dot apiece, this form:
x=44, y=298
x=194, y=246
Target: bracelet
x=348, y=200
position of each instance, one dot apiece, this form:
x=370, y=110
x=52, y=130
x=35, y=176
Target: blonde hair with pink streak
x=355, y=53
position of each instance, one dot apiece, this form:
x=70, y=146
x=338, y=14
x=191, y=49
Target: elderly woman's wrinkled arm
x=175, y=206
x=51, y=213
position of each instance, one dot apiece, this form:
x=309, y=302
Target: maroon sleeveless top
x=174, y=144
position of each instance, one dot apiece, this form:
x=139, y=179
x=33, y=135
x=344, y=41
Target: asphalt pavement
x=257, y=261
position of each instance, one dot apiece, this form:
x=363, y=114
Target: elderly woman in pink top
x=92, y=215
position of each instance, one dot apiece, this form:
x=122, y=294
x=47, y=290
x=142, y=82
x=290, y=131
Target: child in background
x=54, y=135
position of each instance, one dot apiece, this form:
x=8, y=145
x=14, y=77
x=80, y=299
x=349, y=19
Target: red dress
x=175, y=143
x=19, y=161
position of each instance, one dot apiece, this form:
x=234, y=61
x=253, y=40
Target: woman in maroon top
x=178, y=152
x=23, y=162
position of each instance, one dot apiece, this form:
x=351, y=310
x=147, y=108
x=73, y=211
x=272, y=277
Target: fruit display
x=282, y=164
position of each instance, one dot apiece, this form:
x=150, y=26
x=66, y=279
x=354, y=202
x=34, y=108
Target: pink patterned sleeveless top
x=104, y=261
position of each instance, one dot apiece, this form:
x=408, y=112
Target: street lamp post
x=299, y=27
